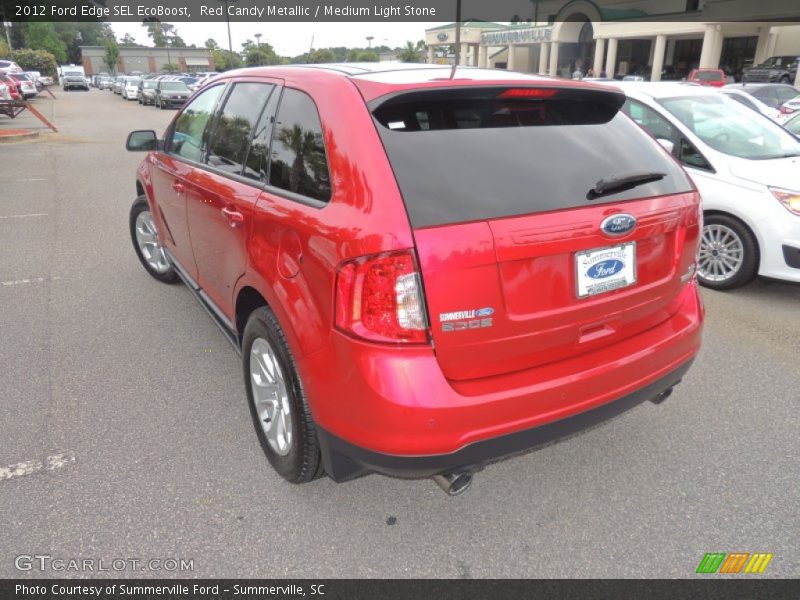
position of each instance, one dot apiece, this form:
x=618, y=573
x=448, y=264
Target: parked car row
x=161, y=91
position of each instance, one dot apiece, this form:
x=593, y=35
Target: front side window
x=729, y=127
x=189, y=138
x=228, y=147
x=298, y=162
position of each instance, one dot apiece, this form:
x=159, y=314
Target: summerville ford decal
x=461, y=320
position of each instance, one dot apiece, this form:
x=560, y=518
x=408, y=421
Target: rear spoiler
x=608, y=96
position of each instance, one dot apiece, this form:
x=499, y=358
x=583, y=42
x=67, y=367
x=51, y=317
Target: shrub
x=35, y=60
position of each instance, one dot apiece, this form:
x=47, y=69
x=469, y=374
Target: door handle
x=235, y=218
x=178, y=187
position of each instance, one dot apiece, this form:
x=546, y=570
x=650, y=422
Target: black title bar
x=708, y=588
x=500, y=11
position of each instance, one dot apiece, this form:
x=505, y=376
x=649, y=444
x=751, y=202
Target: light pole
x=369, y=40
x=228, y=23
x=258, y=39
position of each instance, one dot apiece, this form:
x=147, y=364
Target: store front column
x=483, y=53
x=463, y=58
x=430, y=55
x=510, y=62
x=659, y=49
x=553, y=70
x=544, y=57
x=712, y=47
x=611, y=57
x=599, y=51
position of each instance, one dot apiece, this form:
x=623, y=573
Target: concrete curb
x=17, y=135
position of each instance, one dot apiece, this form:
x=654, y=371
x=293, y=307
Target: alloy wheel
x=271, y=397
x=721, y=253
x=149, y=246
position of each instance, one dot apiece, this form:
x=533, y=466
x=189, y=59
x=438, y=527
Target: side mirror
x=142, y=141
x=666, y=144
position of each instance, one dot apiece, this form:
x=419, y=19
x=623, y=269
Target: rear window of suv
x=483, y=153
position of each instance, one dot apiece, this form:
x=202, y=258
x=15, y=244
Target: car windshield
x=173, y=86
x=708, y=76
x=730, y=128
x=73, y=74
x=134, y=81
x=150, y=84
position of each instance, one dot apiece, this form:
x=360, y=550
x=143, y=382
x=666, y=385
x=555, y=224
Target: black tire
x=784, y=79
x=303, y=463
x=140, y=205
x=750, y=253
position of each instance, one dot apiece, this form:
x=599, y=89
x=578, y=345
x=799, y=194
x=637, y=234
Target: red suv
x=708, y=77
x=423, y=272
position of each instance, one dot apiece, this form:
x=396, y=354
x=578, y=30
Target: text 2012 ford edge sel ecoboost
x=424, y=272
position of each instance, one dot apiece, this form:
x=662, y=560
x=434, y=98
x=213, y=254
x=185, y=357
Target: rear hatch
x=547, y=224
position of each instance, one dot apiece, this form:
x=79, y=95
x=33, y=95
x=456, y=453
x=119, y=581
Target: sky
x=289, y=39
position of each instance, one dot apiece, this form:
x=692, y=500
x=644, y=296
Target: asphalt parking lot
x=133, y=404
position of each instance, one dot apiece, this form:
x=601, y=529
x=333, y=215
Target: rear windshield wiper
x=620, y=183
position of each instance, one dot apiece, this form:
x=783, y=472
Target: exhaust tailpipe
x=453, y=483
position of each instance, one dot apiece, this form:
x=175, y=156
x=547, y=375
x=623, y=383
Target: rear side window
x=228, y=145
x=257, y=165
x=189, y=138
x=482, y=153
x=299, y=163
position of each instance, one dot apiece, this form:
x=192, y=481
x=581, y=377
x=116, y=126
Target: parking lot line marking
x=53, y=462
x=28, y=179
x=23, y=216
x=33, y=280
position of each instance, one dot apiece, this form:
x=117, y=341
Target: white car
x=130, y=91
x=4, y=93
x=9, y=66
x=747, y=170
x=752, y=102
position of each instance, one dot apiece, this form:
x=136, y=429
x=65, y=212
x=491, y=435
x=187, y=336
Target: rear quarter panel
x=365, y=215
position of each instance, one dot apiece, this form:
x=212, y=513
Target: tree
x=155, y=31
x=321, y=56
x=111, y=56
x=4, y=49
x=75, y=35
x=171, y=68
x=211, y=44
x=412, y=53
x=128, y=40
x=367, y=56
x=261, y=54
x=225, y=60
x=43, y=36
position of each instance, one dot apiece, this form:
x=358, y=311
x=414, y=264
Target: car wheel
x=146, y=243
x=784, y=79
x=728, y=256
x=278, y=405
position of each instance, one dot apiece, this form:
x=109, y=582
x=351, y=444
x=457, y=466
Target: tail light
x=786, y=110
x=379, y=298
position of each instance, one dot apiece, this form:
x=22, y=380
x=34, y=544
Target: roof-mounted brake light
x=527, y=93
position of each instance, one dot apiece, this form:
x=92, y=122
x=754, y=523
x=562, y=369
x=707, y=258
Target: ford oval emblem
x=605, y=268
x=618, y=225
x=484, y=312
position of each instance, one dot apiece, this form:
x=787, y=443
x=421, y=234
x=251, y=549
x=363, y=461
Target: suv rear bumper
x=391, y=409
x=344, y=461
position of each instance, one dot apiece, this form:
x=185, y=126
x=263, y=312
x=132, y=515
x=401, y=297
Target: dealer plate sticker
x=605, y=269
